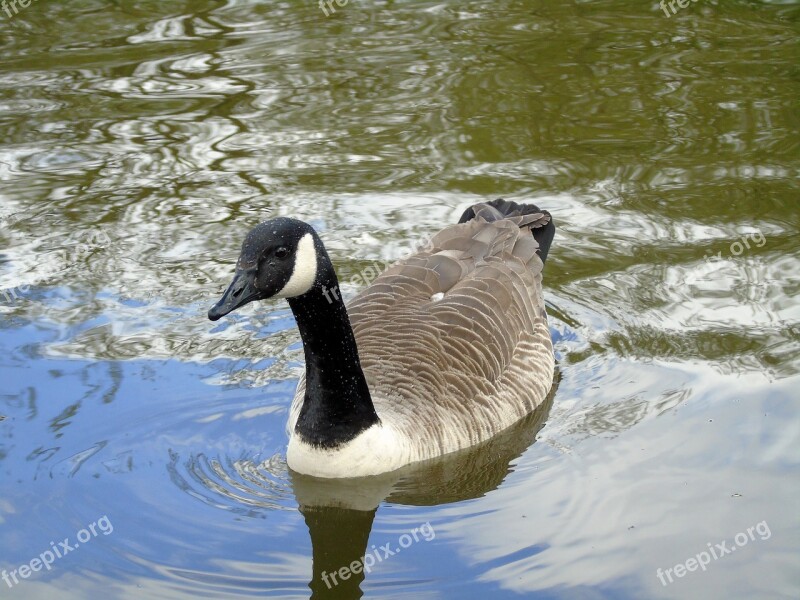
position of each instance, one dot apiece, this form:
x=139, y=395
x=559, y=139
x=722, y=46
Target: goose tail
x=539, y=221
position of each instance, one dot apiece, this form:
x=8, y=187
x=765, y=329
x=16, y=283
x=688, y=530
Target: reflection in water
x=339, y=512
x=339, y=538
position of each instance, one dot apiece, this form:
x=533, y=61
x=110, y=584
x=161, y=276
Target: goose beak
x=241, y=291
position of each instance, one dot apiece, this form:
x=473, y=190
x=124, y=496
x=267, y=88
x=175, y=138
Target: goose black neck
x=337, y=405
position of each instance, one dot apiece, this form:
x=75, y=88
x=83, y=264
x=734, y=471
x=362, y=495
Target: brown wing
x=457, y=370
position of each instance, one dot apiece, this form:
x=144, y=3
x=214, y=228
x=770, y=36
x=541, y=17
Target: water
x=140, y=141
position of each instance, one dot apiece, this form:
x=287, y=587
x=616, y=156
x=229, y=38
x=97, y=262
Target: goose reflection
x=339, y=513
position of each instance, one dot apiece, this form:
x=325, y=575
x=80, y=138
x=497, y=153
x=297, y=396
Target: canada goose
x=447, y=347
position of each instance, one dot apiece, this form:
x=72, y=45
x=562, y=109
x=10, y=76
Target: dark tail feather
x=543, y=232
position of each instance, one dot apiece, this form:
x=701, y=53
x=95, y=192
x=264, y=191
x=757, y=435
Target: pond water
x=139, y=141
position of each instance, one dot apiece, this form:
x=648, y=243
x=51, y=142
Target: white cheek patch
x=305, y=269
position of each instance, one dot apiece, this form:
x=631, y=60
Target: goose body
x=445, y=349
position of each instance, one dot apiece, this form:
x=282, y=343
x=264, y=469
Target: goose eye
x=281, y=252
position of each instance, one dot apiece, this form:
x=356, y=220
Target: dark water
x=140, y=140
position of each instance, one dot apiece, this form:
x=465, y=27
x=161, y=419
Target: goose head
x=285, y=258
x=280, y=258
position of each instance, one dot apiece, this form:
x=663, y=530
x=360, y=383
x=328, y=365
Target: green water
x=139, y=141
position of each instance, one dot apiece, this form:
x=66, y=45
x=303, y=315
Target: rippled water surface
x=139, y=141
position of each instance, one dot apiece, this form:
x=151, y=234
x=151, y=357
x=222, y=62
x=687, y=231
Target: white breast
x=376, y=450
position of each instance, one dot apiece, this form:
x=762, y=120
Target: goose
x=445, y=349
